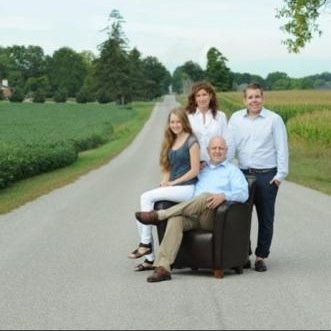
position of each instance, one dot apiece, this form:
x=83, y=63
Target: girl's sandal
x=146, y=265
x=142, y=250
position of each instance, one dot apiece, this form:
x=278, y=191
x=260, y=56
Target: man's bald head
x=217, y=149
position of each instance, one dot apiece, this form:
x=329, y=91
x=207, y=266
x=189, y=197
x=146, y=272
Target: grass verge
x=29, y=189
x=310, y=165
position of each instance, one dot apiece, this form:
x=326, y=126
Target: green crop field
x=37, y=138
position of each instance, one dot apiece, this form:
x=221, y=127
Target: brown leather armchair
x=225, y=247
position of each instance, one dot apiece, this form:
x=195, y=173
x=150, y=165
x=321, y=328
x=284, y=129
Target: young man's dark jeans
x=264, y=201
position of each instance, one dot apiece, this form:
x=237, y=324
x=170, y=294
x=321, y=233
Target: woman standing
x=179, y=160
x=205, y=118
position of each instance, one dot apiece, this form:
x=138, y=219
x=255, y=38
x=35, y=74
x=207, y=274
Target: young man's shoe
x=260, y=266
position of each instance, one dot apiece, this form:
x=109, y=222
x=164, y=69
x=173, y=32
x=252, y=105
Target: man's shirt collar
x=221, y=164
x=262, y=113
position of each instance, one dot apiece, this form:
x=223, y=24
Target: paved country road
x=64, y=265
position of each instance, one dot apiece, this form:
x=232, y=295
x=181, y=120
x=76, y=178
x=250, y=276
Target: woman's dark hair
x=191, y=104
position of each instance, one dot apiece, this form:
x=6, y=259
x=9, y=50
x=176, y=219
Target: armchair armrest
x=232, y=227
x=231, y=232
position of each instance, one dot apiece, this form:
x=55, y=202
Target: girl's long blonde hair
x=170, y=137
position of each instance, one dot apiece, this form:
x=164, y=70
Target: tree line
x=225, y=80
x=117, y=75
x=121, y=75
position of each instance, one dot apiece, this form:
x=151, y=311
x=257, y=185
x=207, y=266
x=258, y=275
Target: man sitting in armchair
x=218, y=181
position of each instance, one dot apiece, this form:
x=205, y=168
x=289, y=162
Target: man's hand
x=275, y=181
x=214, y=200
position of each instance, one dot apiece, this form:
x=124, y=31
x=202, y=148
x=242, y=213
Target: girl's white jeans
x=177, y=193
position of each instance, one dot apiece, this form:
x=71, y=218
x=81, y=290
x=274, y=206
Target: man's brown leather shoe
x=159, y=275
x=147, y=217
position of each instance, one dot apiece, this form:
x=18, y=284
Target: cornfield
x=314, y=127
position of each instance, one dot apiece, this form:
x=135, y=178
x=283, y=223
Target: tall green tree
x=136, y=75
x=185, y=75
x=277, y=81
x=240, y=80
x=33, y=84
x=157, y=78
x=3, y=63
x=36, y=65
x=180, y=79
x=67, y=70
x=258, y=79
x=217, y=71
x=112, y=67
x=88, y=90
x=19, y=63
x=301, y=25
x=194, y=71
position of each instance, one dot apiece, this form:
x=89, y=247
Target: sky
x=246, y=32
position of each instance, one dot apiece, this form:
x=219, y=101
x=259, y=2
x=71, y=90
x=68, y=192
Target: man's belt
x=258, y=171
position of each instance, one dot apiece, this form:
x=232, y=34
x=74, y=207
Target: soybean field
x=36, y=138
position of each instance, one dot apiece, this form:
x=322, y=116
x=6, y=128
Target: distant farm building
x=5, y=89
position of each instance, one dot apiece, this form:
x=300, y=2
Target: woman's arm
x=165, y=178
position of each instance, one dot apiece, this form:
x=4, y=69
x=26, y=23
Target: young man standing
x=258, y=138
